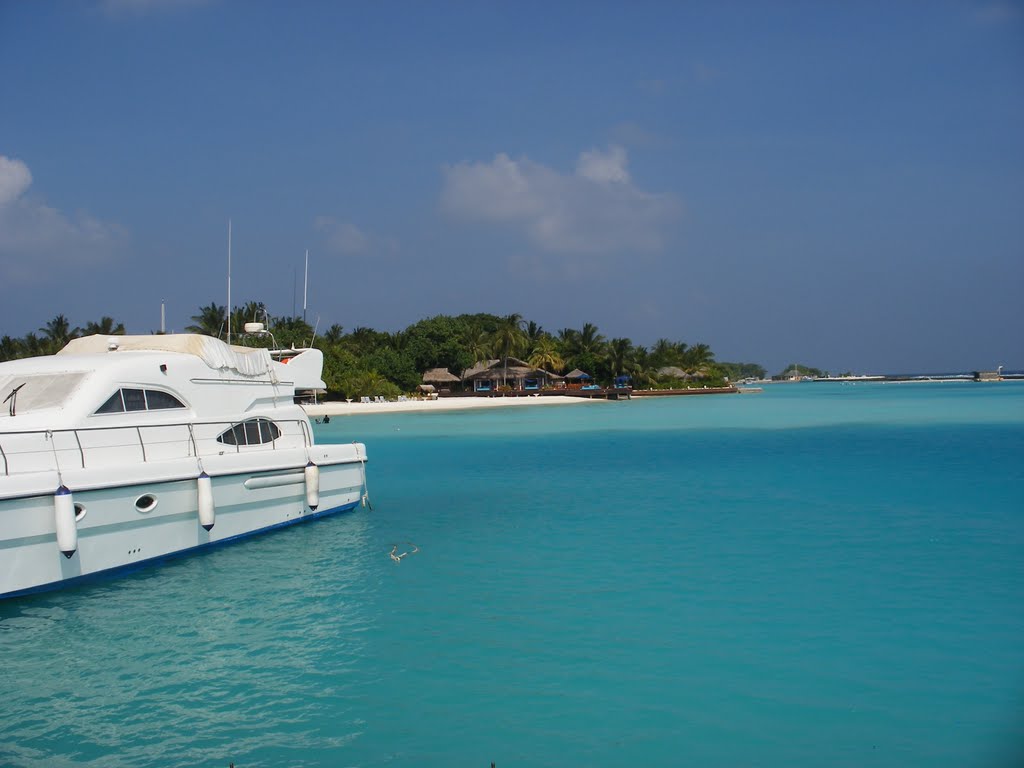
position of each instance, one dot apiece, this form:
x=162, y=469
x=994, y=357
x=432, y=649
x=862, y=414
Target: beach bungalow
x=489, y=376
x=440, y=378
x=673, y=372
x=577, y=379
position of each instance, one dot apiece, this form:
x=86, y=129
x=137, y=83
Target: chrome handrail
x=302, y=429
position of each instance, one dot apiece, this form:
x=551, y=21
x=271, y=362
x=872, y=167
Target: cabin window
x=159, y=401
x=114, y=405
x=251, y=432
x=134, y=399
x=139, y=400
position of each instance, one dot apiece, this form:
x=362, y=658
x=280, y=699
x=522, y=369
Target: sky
x=839, y=184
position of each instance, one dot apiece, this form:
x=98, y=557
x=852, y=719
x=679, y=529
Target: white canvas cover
x=214, y=352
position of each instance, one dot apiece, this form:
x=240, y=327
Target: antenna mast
x=229, y=282
x=305, y=286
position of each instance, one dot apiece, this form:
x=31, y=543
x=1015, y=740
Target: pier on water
x=600, y=393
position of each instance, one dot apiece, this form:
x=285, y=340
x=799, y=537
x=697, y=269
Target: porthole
x=251, y=432
x=79, y=512
x=145, y=503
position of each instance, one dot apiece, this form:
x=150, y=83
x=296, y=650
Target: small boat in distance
x=122, y=449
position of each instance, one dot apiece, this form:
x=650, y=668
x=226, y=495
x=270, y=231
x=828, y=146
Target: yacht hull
x=157, y=516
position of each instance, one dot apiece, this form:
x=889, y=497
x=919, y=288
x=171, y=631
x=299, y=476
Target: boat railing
x=89, y=447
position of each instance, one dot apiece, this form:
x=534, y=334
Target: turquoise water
x=819, y=574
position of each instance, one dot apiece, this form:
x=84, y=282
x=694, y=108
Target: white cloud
x=346, y=238
x=603, y=166
x=595, y=210
x=36, y=239
x=15, y=178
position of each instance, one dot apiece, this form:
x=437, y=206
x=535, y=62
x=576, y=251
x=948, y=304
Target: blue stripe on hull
x=129, y=567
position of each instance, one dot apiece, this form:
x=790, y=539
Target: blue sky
x=840, y=184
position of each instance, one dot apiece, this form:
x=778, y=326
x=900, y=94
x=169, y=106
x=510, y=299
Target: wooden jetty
x=599, y=393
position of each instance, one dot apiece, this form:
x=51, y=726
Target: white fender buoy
x=64, y=516
x=207, y=513
x=312, y=473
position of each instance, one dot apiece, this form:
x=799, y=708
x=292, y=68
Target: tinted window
x=158, y=401
x=113, y=405
x=139, y=400
x=252, y=432
x=234, y=436
x=134, y=399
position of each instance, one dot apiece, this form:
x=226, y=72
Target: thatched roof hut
x=440, y=376
x=516, y=368
x=512, y=371
x=674, y=372
x=577, y=375
x=480, y=365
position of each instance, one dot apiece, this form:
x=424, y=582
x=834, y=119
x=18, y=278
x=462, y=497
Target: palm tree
x=399, y=341
x=582, y=349
x=333, y=334
x=665, y=353
x=32, y=346
x=534, y=333
x=105, y=327
x=58, y=332
x=289, y=331
x=478, y=344
x=363, y=340
x=545, y=355
x=10, y=348
x=618, y=355
x=508, y=340
x=209, y=321
x=590, y=341
x=566, y=340
x=640, y=369
x=698, y=360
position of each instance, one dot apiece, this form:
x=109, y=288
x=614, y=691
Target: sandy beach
x=339, y=408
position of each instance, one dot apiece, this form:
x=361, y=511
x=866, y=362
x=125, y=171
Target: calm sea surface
x=820, y=574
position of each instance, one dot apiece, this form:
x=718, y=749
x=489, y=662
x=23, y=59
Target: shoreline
x=444, y=404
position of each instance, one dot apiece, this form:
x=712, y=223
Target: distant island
x=365, y=362
x=795, y=371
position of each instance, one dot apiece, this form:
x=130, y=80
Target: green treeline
x=798, y=371
x=363, y=361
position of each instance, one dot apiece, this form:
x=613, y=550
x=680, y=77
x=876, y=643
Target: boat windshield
x=24, y=393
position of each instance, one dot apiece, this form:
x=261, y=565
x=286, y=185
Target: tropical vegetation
x=798, y=371
x=364, y=361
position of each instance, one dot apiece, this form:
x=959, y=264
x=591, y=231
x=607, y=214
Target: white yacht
x=123, y=449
